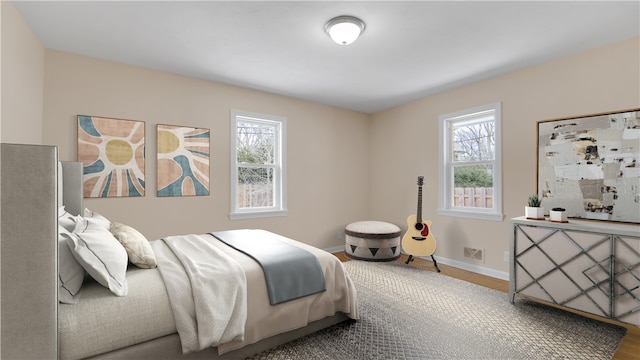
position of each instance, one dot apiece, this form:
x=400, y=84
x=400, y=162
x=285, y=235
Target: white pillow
x=70, y=273
x=66, y=220
x=137, y=246
x=100, y=254
x=99, y=219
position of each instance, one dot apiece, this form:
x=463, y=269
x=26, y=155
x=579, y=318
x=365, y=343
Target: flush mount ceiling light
x=344, y=29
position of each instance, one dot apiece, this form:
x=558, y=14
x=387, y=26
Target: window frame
x=279, y=167
x=446, y=164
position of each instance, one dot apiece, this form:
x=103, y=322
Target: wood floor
x=629, y=348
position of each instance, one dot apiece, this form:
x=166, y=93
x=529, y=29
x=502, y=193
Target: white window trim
x=445, y=206
x=280, y=209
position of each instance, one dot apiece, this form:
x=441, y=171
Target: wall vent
x=474, y=254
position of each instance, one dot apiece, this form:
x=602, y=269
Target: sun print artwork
x=112, y=154
x=183, y=161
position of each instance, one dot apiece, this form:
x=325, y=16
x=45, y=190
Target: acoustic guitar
x=418, y=240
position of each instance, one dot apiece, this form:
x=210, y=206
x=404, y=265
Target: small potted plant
x=533, y=210
x=557, y=214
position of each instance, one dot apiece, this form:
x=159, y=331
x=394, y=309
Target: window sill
x=257, y=214
x=472, y=214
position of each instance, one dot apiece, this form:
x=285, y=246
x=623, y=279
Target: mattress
x=101, y=322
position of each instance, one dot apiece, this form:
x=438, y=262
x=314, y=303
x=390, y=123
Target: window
x=258, y=159
x=470, y=164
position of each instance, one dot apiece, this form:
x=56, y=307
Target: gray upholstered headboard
x=29, y=251
x=29, y=247
x=71, y=179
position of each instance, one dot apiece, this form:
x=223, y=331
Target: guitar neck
x=419, y=212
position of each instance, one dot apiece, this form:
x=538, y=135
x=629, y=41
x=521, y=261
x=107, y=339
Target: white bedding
x=207, y=290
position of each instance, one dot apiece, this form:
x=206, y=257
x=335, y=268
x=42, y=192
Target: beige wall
x=343, y=166
x=328, y=148
x=405, y=140
x=22, y=69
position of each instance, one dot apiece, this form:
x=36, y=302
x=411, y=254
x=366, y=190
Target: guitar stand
x=435, y=263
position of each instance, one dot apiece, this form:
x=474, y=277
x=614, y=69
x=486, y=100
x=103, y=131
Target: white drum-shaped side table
x=372, y=241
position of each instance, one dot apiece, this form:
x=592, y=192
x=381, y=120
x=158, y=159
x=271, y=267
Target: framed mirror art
x=590, y=166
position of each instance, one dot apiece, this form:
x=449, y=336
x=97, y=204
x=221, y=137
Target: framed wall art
x=183, y=161
x=590, y=166
x=112, y=152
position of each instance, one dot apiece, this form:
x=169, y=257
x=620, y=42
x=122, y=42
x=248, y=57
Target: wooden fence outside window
x=479, y=197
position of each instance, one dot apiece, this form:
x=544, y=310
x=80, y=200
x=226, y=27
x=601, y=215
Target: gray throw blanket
x=290, y=272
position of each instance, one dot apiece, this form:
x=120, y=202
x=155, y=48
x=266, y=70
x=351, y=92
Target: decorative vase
x=534, y=213
x=558, y=215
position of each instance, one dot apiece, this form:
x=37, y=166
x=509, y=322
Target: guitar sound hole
x=419, y=226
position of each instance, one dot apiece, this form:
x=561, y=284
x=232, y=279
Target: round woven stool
x=372, y=241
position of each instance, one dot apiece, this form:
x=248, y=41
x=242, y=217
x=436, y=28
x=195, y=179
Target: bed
x=139, y=314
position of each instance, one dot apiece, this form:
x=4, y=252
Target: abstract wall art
x=590, y=166
x=112, y=152
x=183, y=161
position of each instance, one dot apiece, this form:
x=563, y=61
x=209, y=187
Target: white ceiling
x=409, y=50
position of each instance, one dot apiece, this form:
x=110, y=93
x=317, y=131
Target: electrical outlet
x=506, y=256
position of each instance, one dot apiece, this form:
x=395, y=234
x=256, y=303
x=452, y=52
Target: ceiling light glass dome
x=345, y=29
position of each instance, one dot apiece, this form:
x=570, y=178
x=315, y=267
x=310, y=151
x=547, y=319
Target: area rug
x=410, y=313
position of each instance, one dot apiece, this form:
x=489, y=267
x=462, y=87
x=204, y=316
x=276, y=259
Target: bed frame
x=29, y=197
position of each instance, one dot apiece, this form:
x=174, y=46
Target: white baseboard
x=455, y=263
x=470, y=267
x=335, y=249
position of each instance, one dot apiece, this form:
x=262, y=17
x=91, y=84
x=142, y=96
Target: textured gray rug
x=409, y=313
